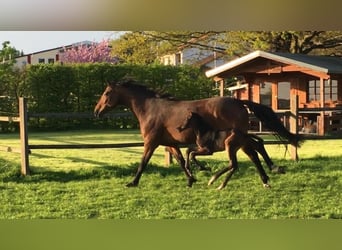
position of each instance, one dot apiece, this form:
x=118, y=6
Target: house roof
x=58, y=48
x=321, y=64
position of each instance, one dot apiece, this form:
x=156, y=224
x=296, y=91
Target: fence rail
x=25, y=148
x=292, y=120
x=83, y=146
x=84, y=115
x=9, y=119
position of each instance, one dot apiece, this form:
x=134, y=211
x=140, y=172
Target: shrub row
x=77, y=87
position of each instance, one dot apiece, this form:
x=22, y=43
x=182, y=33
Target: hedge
x=77, y=87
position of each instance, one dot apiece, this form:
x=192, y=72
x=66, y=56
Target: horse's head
x=108, y=100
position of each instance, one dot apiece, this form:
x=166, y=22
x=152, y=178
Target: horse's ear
x=109, y=83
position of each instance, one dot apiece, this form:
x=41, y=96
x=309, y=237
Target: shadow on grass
x=44, y=174
x=316, y=164
x=11, y=173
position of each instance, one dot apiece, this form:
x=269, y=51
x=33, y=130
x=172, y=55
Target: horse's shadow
x=45, y=174
x=316, y=165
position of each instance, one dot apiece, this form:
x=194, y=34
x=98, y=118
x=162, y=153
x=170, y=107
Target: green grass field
x=90, y=183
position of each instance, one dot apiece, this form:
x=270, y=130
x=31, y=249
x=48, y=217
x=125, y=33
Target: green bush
x=56, y=88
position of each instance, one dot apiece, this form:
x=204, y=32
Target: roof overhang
x=285, y=65
x=238, y=86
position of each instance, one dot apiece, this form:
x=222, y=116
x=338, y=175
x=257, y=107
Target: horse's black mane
x=133, y=85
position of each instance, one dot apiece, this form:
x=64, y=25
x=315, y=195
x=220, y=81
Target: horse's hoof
x=131, y=184
x=220, y=187
x=191, y=181
x=278, y=170
x=266, y=185
x=211, y=181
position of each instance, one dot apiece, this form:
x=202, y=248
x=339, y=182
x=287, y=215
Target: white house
x=45, y=56
x=196, y=55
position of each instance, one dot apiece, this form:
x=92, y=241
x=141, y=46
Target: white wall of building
x=47, y=56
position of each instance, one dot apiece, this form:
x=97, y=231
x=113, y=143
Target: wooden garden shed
x=274, y=78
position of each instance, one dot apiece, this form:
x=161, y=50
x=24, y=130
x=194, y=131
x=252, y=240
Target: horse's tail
x=269, y=118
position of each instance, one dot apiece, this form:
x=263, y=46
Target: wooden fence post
x=25, y=170
x=168, y=158
x=294, y=124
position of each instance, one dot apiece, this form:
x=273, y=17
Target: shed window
x=284, y=95
x=266, y=93
x=330, y=90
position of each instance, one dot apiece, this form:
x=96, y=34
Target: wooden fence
x=25, y=147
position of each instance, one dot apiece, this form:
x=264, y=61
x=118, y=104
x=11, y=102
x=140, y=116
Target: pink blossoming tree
x=88, y=53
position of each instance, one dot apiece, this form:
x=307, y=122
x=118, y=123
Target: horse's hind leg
x=254, y=157
x=258, y=145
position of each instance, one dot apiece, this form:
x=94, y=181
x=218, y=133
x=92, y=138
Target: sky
x=34, y=41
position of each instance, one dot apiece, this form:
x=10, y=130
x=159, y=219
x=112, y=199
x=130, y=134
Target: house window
x=283, y=95
x=266, y=93
x=178, y=58
x=41, y=60
x=51, y=60
x=330, y=90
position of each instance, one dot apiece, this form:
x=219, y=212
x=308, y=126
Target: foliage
x=8, y=74
x=53, y=88
x=302, y=42
x=91, y=183
x=146, y=47
x=85, y=53
x=11, y=84
x=8, y=53
x=135, y=48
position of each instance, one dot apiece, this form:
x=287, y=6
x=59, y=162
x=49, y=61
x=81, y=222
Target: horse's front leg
x=191, y=156
x=175, y=151
x=232, y=144
x=231, y=169
x=148, y=151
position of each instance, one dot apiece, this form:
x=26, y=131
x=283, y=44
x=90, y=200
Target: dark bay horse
x=159, y=116
x=210, y=141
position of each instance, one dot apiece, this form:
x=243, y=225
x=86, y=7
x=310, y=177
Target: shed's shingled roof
x=326, y=64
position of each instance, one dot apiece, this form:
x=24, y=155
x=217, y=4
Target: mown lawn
x=90, y=183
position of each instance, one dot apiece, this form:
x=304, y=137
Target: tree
x=8, y=53
x=145, y=47
x=7, y=72
x=82, y=53
x=10, y=78
x=302, y=42
x=135, y=48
